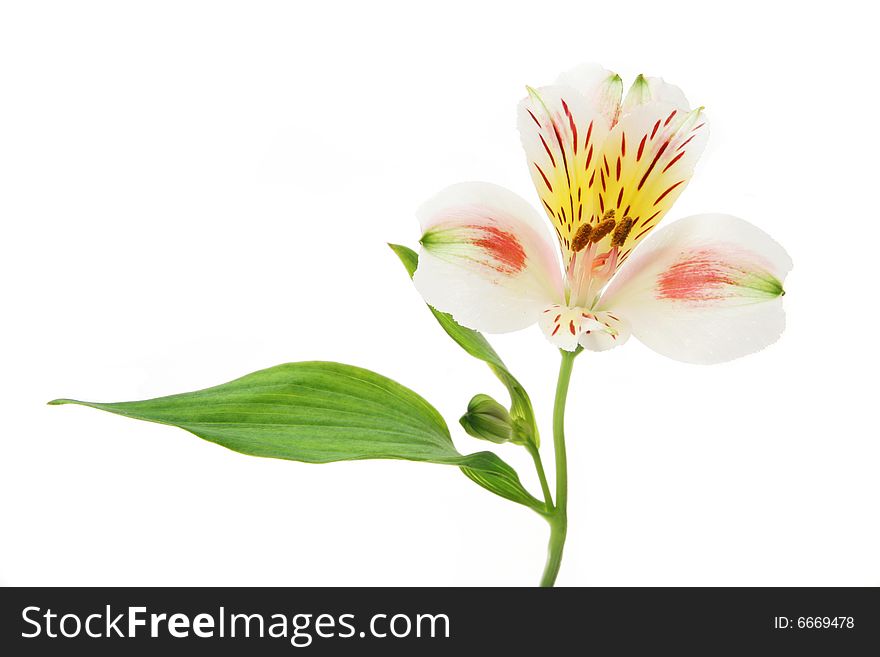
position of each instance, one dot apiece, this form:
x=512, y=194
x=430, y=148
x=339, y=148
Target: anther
x=609, y=214
x=600, y=230
x=621, y=231
x=581, y=238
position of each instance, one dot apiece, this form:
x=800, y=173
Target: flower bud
x=488, y=420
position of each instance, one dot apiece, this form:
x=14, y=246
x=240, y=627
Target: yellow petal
x=562, y=134
x=646, y=162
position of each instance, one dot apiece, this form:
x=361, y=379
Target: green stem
x=559, y=517
x=539, y=467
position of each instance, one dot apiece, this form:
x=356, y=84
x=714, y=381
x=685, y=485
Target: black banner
x=407, y=621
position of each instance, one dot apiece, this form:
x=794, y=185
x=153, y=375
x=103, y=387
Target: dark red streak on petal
x=663, y=195
x=648, y=220
x=546, y=182
x=672, y=161
x=574, y=130
x=636, y=238
x=653, y=164
x=547, y=148
x=561, y=150
x=641, y=148
x=685, y=143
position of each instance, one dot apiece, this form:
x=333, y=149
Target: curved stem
x=539, y=467
x=559, y=518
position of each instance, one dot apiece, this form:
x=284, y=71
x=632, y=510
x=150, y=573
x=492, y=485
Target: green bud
x=488, y=420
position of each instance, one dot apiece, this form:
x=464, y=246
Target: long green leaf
x=477, y=346
x=319, y=412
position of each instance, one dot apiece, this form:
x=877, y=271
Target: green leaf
x=319, y=412
x=477, y=346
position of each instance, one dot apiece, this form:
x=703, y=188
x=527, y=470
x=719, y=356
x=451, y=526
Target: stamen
x=582, y=237
x=608, y=215
x=621, y=231
x=601, y=230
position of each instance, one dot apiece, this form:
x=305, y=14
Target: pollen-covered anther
x=621, y=231
x=609, y=214
x=600, y=230
x=581, y=238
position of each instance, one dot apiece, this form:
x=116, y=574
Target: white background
x=193, y=191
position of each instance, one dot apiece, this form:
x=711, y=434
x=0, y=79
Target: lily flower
x=705, y=289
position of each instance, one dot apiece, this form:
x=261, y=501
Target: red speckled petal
x=705, y=289
x=486, y=258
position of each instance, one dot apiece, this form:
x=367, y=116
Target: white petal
x=600, y=87
x=564, y=325
x=645, y=90
x=486, y=258
x=609, y=331
x=705, y=289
